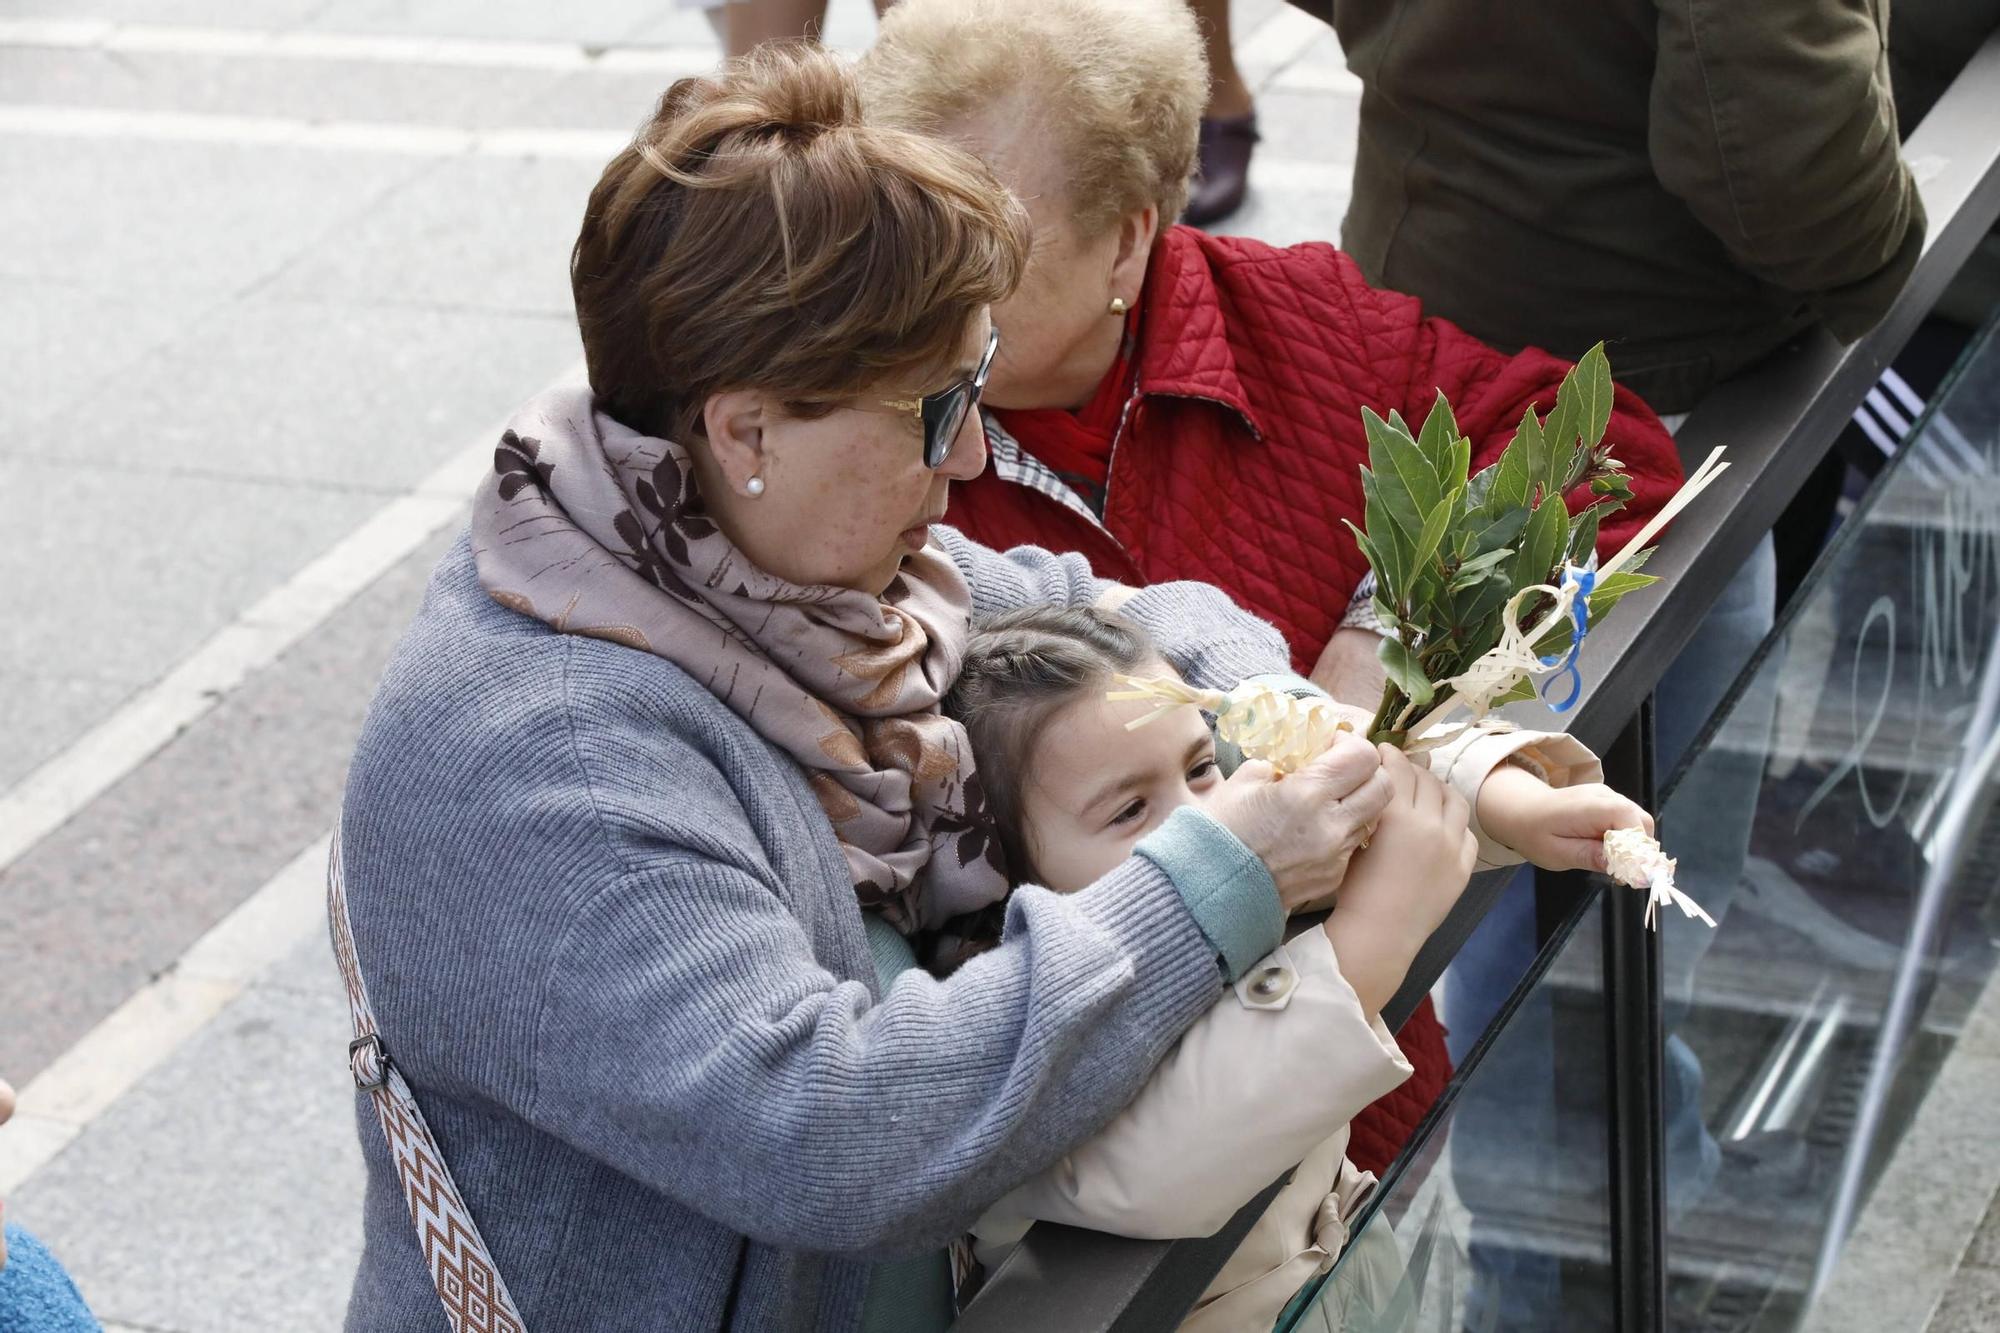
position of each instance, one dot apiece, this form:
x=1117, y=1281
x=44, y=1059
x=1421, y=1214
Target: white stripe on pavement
x=442, y=141
x=49, y=796
x=368, y=48
x=1304, y=78
x=1299, y=174
x=73, y=122
x=1280, y=39
x=138, y=1036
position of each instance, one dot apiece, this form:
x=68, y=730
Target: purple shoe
x=1223, y=173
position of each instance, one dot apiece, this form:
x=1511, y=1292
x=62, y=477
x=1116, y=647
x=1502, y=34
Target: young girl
x=1258, y=1085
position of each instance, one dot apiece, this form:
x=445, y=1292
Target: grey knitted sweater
x=613, y=946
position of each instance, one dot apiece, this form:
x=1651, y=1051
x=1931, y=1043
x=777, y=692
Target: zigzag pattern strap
x=467, y=1280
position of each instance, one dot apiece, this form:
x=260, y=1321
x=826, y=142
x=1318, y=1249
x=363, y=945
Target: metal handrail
x=1777, y=422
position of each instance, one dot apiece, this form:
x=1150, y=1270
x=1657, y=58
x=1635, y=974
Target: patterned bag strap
x=475, y=1299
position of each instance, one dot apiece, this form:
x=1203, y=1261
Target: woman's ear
x=734, y=423
x=1137, y=231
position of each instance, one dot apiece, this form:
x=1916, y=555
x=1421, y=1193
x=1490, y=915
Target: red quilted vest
x=1240, y=454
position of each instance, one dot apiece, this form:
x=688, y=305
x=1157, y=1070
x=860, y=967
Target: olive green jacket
x=1693, y=181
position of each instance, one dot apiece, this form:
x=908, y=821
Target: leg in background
x=1228, y=95
x=745, y=25
x=1228, y=126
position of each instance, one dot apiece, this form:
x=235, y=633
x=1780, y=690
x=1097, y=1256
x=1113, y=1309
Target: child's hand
x=1556, y=828
x=1399, y=890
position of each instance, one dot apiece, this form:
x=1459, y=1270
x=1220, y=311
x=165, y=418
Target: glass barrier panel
x=1500, y=1220
x=1807, y=820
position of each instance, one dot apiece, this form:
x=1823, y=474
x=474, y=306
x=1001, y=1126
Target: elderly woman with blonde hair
x=1174, y=405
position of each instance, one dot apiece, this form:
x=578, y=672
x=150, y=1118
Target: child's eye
x=1131, y=812
x=1204, y=770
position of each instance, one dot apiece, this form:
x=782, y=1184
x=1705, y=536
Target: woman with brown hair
x=660, y=763
x=1179, y=406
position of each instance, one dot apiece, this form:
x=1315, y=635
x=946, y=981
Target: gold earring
x=1117, y=305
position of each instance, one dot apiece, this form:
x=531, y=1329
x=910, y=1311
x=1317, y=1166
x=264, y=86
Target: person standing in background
x=1696, y=185
x=1228, y=124
x=1704, y=188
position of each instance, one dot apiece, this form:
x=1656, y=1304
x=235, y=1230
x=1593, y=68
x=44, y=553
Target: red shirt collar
x=1184, y=349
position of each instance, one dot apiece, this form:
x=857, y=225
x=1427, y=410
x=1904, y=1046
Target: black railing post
x=1634, y=1114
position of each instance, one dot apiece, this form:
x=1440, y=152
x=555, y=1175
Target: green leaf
x=1583, y=535
x=1593, y=395
x=1401, y=471
x=1534, y=448
x=1392, y=541
x=1439, y=435
x=1521, y=691
x=1461, y=462
x=1612, y=588
x=1613, y=484
x=1405, y=672
x=1501, y=531
x=1556, y=640
x=1386, y=614
x=1515, y=473
x=1541, y=544
x=1479, y=567
x=1385, y=573
x=1480, y=488
x=1434, y=529
x=1479, y=615
x=1559, y=436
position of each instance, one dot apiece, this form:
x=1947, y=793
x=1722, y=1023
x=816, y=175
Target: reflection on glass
x=1501, y=1220
x=1857, y=728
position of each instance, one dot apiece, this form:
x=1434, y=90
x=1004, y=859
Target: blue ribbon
x=1579, y=615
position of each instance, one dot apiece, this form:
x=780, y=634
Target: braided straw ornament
x=1281, y=729
x=1286, y=732
x=1633, y=858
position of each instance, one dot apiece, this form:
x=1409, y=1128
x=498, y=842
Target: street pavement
x=273, y=275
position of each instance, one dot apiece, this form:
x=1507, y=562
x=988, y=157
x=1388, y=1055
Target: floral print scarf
x=596, y=529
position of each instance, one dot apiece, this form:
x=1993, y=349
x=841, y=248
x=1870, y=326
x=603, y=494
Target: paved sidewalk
x=281, y=271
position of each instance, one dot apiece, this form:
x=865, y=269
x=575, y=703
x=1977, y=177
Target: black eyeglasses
x=943, y=413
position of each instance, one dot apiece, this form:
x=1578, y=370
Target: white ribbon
x=1504, y=665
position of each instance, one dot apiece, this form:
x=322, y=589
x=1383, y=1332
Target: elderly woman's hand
x=1307, y=825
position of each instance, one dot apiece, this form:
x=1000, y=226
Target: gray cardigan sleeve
x=1209, y=638
x=697, y=1045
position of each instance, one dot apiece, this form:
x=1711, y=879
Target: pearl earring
x=1117, y=305
x=755, y=486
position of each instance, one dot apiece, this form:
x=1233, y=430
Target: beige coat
x=1266, y=1080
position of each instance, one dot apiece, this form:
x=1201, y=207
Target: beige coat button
x=1269, y=984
